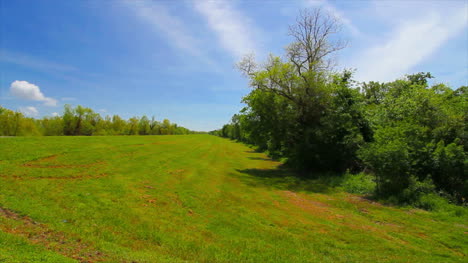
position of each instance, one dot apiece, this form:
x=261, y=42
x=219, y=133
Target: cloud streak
x=32, y=62
x=234, y=30
x=28, y=91
x=172, y=27
x=409, y=44
x=29, y=111
x=336, y=13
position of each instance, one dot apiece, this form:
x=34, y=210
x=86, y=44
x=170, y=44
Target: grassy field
x=195, y=198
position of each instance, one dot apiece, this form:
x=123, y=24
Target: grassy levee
x=195, y=198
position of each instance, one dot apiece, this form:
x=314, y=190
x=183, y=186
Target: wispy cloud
x=235, y=31
x=172, y=27
x=63, y=71
x=336, y=13
x=33, y=62
x=28, y=91
x=408, y=45
x=29, y=111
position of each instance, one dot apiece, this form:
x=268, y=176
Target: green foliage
x=83, y=121
x=415, y=190
x=404, y=131
x=431, y=202
x=411, y=123
x=360, y=183
x=314, y=135
x=408, y=134
x=450, y=168
x=389, y=157
x=16, y=124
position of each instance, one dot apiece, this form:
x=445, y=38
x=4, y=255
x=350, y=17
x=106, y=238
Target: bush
x=416, y=190
x=431, y=201
x=360, y=183
x=450, y=169
x=389, y=157
x=422, y=194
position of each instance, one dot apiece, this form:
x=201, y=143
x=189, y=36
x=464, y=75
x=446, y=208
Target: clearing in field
x=195, y=198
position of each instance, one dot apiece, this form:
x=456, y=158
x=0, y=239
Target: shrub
x=431, y=201
x=360, y=183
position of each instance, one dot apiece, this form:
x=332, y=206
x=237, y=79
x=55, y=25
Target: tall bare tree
x=308, y=59
x=316, y=38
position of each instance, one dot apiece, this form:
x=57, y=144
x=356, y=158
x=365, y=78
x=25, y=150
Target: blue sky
x=176, y=59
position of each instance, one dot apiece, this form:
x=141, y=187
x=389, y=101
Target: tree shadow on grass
x=260, y=158
x=283, y=178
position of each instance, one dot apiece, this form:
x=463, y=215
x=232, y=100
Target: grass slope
x=195, y=198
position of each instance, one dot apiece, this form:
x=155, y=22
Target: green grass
x=197, y=198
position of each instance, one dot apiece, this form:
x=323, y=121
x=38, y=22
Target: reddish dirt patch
x=148, y=199
x=38, y=233
x=33, y=165
x=355, y=199
x=76, y=177
x=49, y=158
x=422, y=235
x=324, y=210
x=312, y=206
x=39, y=163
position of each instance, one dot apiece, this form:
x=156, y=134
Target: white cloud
x=28, y=91
x=235, y=31
x=410, y=43
x=55, y=114
x=50, y=102
x=29, y=111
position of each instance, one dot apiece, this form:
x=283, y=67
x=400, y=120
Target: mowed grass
x=195, y=198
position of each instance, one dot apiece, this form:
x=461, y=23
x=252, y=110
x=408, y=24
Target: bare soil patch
x=41, y=234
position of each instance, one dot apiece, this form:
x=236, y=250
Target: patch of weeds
x=360, y=183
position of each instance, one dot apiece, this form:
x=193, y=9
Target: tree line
x=411, y=135
x=80, y=120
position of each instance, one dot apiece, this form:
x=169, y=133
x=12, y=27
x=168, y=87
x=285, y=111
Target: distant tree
x=68, y=120
x=52, y=126
x=132, y=126
x=80, y=120
x=166, y=127
x=154, y=126
x=144, y=126
x=118, y=125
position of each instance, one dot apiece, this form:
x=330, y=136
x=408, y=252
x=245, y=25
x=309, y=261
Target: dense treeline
x=83, y=121
x=410, y=135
